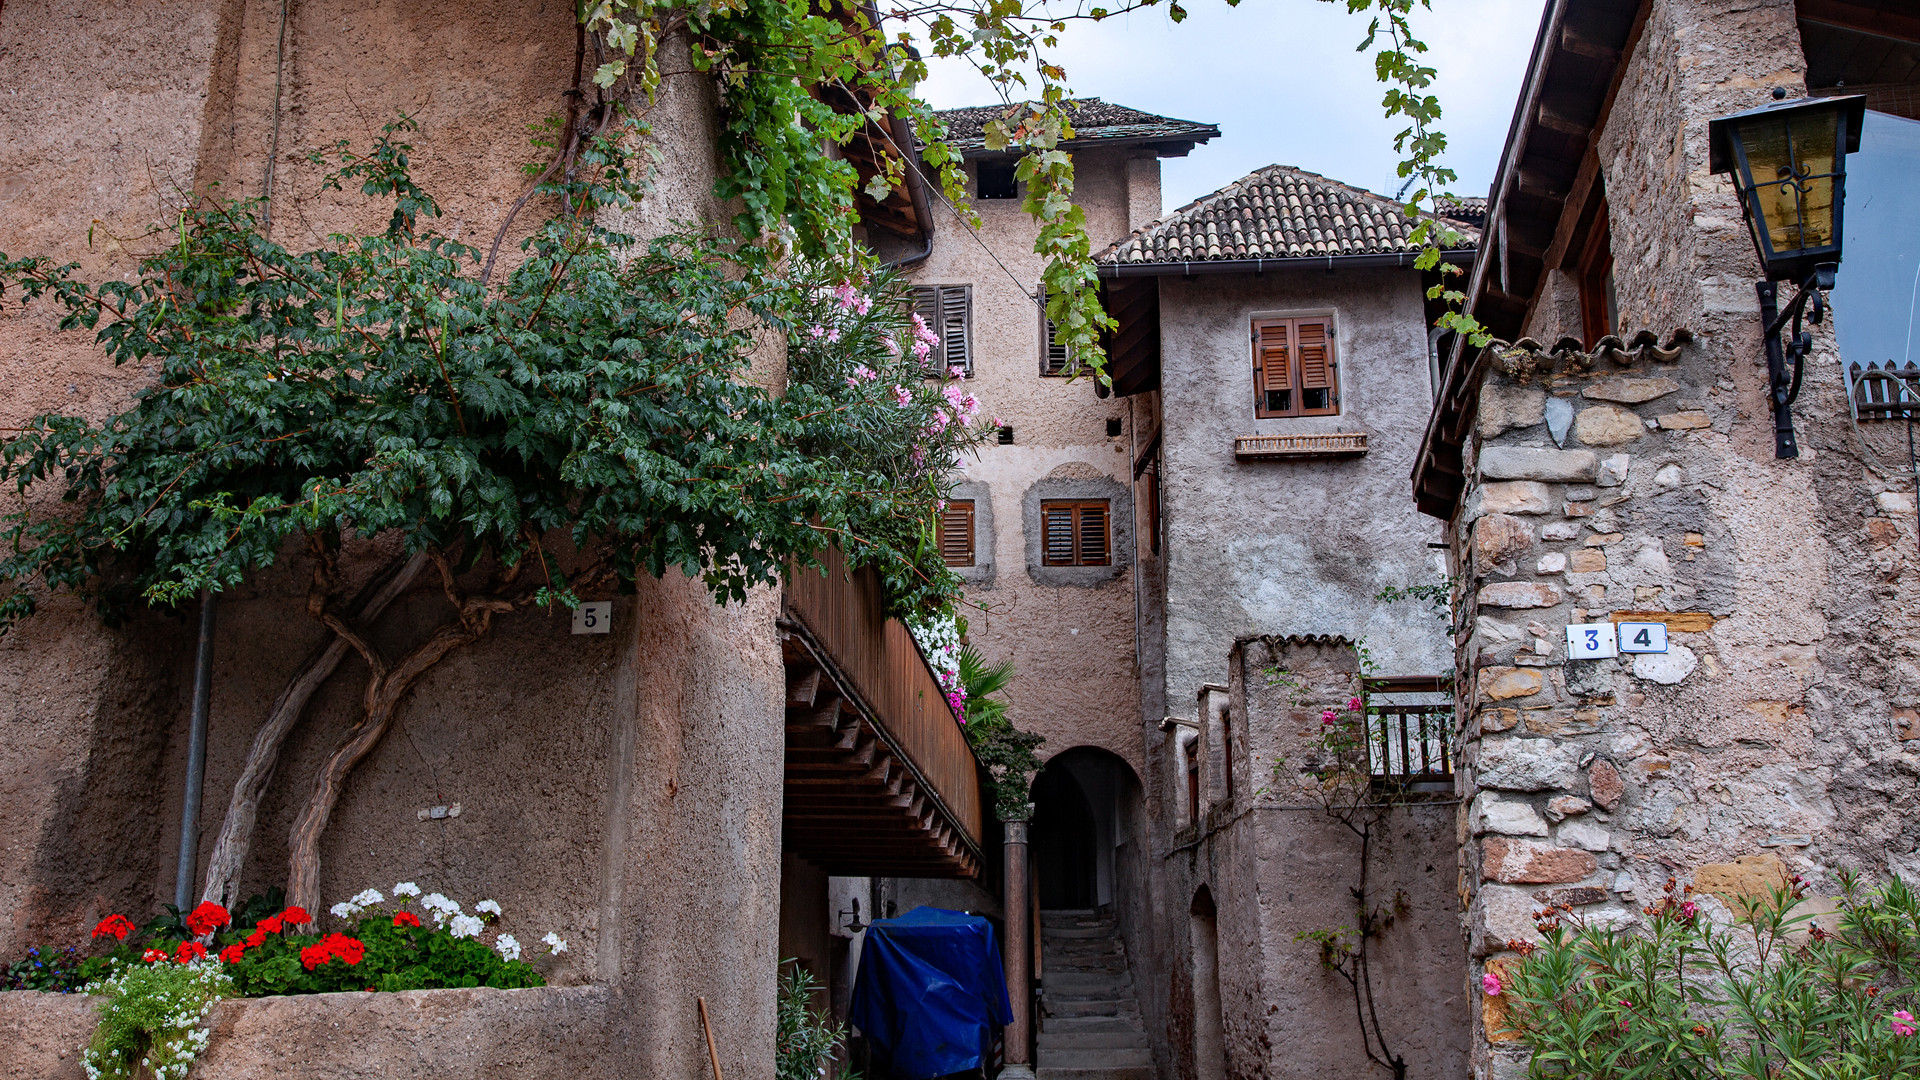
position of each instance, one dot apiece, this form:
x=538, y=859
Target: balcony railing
x=1410, y=731
x=887, y=775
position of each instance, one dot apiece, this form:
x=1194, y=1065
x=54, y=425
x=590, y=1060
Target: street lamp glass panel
x=1791, y=163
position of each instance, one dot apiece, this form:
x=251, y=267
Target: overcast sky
x=1284, y=84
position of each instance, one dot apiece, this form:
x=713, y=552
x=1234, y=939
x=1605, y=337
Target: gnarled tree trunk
x=222, y=882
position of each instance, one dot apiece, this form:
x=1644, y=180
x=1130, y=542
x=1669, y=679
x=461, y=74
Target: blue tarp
x=930, y=984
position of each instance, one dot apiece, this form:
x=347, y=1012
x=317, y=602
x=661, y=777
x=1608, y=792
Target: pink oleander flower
x=954, y=394
x=902, y=396
x=1902, y=1023
x=956, y=372
x=966, y=419
x=864, y=373
x=940, y=422
x=921, y=350
x=892, y=346
x=970, y=405
x=941, y=505
x=1688, y=910
x=851, y=381
x=1491, y=984
x=1328, y=716
x=921, y=332
x=845, y=293
x=833, y=335
x=816, y=332
x=1354, y=704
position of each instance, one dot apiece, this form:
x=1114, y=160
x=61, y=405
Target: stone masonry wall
x=1773, y=737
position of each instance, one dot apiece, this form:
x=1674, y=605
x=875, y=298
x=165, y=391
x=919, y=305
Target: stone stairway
x=1090, y=1025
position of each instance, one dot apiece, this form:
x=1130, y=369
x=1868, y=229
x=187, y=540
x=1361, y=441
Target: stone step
x=1094, y=1059
x=1088, y=1025
x=1093, y=1007
x=1057, y=995
x=1128, y=1072
x=1051, y=933
x=1076, y=982
x=1075, y=912
x=1104, y=969
x=1092, y=1040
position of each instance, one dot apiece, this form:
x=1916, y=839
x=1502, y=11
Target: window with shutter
x=956, y=532
x=948, y=312
x=1054, y=357
x=1075, y=533
x=1296, y=371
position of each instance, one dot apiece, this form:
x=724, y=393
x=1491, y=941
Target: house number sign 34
x=1597, y=641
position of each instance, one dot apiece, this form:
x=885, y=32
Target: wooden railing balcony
x=880, y=779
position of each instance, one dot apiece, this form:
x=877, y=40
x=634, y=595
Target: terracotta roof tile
x=1278, y=212
x=1094, y=121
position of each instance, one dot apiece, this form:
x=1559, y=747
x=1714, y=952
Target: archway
x=1209, y=1044
x=1085, y=801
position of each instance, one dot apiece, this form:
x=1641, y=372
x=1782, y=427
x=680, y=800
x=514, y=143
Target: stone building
x=1611, y=458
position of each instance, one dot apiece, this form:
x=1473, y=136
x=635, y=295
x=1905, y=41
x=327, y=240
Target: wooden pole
x=713, y=1055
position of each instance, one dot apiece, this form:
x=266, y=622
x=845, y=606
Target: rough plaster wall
x=1777, y=726
x=1074, y=688
x=626, y=788
x=77, y=722
x=1296, y=546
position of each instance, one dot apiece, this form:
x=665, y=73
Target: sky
x=1282, y=81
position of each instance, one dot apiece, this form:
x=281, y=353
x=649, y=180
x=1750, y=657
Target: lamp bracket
x=1783, y=386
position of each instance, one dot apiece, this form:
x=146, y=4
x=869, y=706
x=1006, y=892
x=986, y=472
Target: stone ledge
x=540, y=1033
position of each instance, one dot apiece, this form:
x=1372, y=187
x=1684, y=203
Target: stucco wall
x=1072, y=647
x=1293, y=546
x=1776, y=729
x=624, y=789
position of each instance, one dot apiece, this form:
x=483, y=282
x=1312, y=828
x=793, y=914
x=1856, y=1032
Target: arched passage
x=1084, y=803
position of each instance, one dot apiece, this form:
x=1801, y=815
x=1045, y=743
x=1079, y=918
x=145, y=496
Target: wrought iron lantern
x=1789, y=165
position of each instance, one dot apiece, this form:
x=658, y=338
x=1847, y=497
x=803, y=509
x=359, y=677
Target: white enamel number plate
x=1591, y=641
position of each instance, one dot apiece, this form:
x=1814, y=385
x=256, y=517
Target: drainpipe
x=183, y=876
x=1014, y=904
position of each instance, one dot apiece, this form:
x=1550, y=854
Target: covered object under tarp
x=929, y=988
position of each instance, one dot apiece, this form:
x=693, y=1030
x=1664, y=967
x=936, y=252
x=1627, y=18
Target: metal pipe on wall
x=183, y=876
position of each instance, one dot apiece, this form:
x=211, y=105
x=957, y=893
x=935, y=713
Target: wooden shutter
x=956, y=532
x=1053, y=354
x=956, y=326
x=1056, y=530
x=926, y=304
x=1093, y=535
x=1273, y=378
x=1075, y=534
x=1314, y=345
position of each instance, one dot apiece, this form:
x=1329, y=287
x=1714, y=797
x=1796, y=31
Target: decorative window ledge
x=1273, y=447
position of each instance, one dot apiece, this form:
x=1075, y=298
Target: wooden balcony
x=880, y=779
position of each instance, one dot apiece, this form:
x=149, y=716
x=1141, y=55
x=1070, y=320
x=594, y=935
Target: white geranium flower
x=465, y=926
x=345, y=910
x=406, y=888
x=488, y=907
x=441, y=907
x=369, y=897
x=554, y=942
x=507, y=947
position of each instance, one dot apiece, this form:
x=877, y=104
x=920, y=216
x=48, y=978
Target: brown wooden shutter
x=1319, y=378
x=956, y=533
x=1093, y=535
x=1273, y=368
x=926, y=304
x=1057, y=535
x=956, y=326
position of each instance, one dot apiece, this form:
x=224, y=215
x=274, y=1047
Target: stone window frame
x=1120, y=524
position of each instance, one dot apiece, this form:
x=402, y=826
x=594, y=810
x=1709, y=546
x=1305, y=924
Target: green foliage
x=395, y=958
x=374, y=385
x=1768, y=995
x=58, y=971
x=1438, y=596
x=151, y=1019
x=804, y=1040
x=1006, y=752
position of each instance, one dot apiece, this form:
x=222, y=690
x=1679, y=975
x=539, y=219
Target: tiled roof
x=1463, y=209
x=1094, y=121
x=1277, y=212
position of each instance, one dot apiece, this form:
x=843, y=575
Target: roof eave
x=1189, y=268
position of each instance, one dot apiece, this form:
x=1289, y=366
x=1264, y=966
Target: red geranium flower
x=207, y=918
x=189, y=951
x=406, y=918
x=294, y=916
x=331, y=946
x=269, y=925
x=257, y=938
x=115, y=926
x=232, y=953
x=154, y=956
